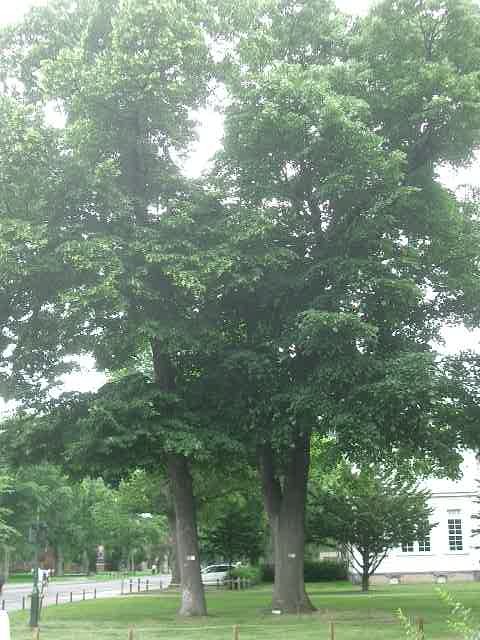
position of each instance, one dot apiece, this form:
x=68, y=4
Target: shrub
x=319, y=571
x=460, y=621
x=267, y=573
x=325, y=570
x=247, y=572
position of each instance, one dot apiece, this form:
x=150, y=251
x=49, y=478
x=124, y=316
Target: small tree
x=370, y=512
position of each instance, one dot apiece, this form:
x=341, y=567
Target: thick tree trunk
x=285, y=506
x=193, y=595
x=59, y=563
x=173, y=556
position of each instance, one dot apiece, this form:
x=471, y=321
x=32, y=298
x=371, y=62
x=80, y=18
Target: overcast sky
x=210, y=132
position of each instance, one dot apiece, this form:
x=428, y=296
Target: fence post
x=421, y=632
x=139, y=587
x=238, y=584
x=147, y=585
x=23, y=603
x=332, y=631
x=121, y=592
x=131, y=585
x=83, y=594
x=236, y=632
x=56, y=598
x=3, y=605
x=71, y=596
x=95, y=593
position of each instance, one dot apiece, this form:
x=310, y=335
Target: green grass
x=357, y=616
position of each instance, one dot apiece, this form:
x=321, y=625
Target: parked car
x=215, y=573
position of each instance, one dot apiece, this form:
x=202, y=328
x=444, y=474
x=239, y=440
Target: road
x=16, y=596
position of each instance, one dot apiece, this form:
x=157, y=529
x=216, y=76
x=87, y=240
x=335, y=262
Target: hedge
x=315, y=571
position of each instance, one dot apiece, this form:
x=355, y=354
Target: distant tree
x=7, y=533
x=44, y=491
x=237, y=533
x=86, y=533
x=123, y=526
x=369, y=512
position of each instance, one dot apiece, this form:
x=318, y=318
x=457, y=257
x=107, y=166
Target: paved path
x=16, y=596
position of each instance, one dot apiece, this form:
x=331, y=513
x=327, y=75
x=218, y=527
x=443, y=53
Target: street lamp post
x=35, y=600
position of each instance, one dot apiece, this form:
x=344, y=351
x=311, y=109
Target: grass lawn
x=357, y=616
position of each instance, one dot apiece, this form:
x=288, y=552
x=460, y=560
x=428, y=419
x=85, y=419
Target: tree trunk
x=193, y=595
x=365, y=582
x=181, y=484
x=173, y=556
x=285, y=506
x=85, y=562
x=59, y=564
x=365, y=571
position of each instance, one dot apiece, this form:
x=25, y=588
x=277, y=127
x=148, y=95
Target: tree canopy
x=295, y=290
x=369, y=512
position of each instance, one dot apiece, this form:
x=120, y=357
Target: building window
x=455, y=536
x=407, y=547
x=424, y=545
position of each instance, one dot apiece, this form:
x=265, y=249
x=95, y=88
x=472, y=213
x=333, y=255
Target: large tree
x=333, y=138
x=301, y=292
x=104, y=231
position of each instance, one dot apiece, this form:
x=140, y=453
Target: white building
x=449, y=552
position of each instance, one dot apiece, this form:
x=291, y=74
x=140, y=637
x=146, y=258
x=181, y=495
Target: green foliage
x=267, y=572
x=247, y=572
x=314, y=571
x=461, y=619
x=236, y=533
x=410, y=628
x=298, y=289
x=324, y=570
x=369, y=512
x=7, y=533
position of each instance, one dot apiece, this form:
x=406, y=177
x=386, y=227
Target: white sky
x=210, y=133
